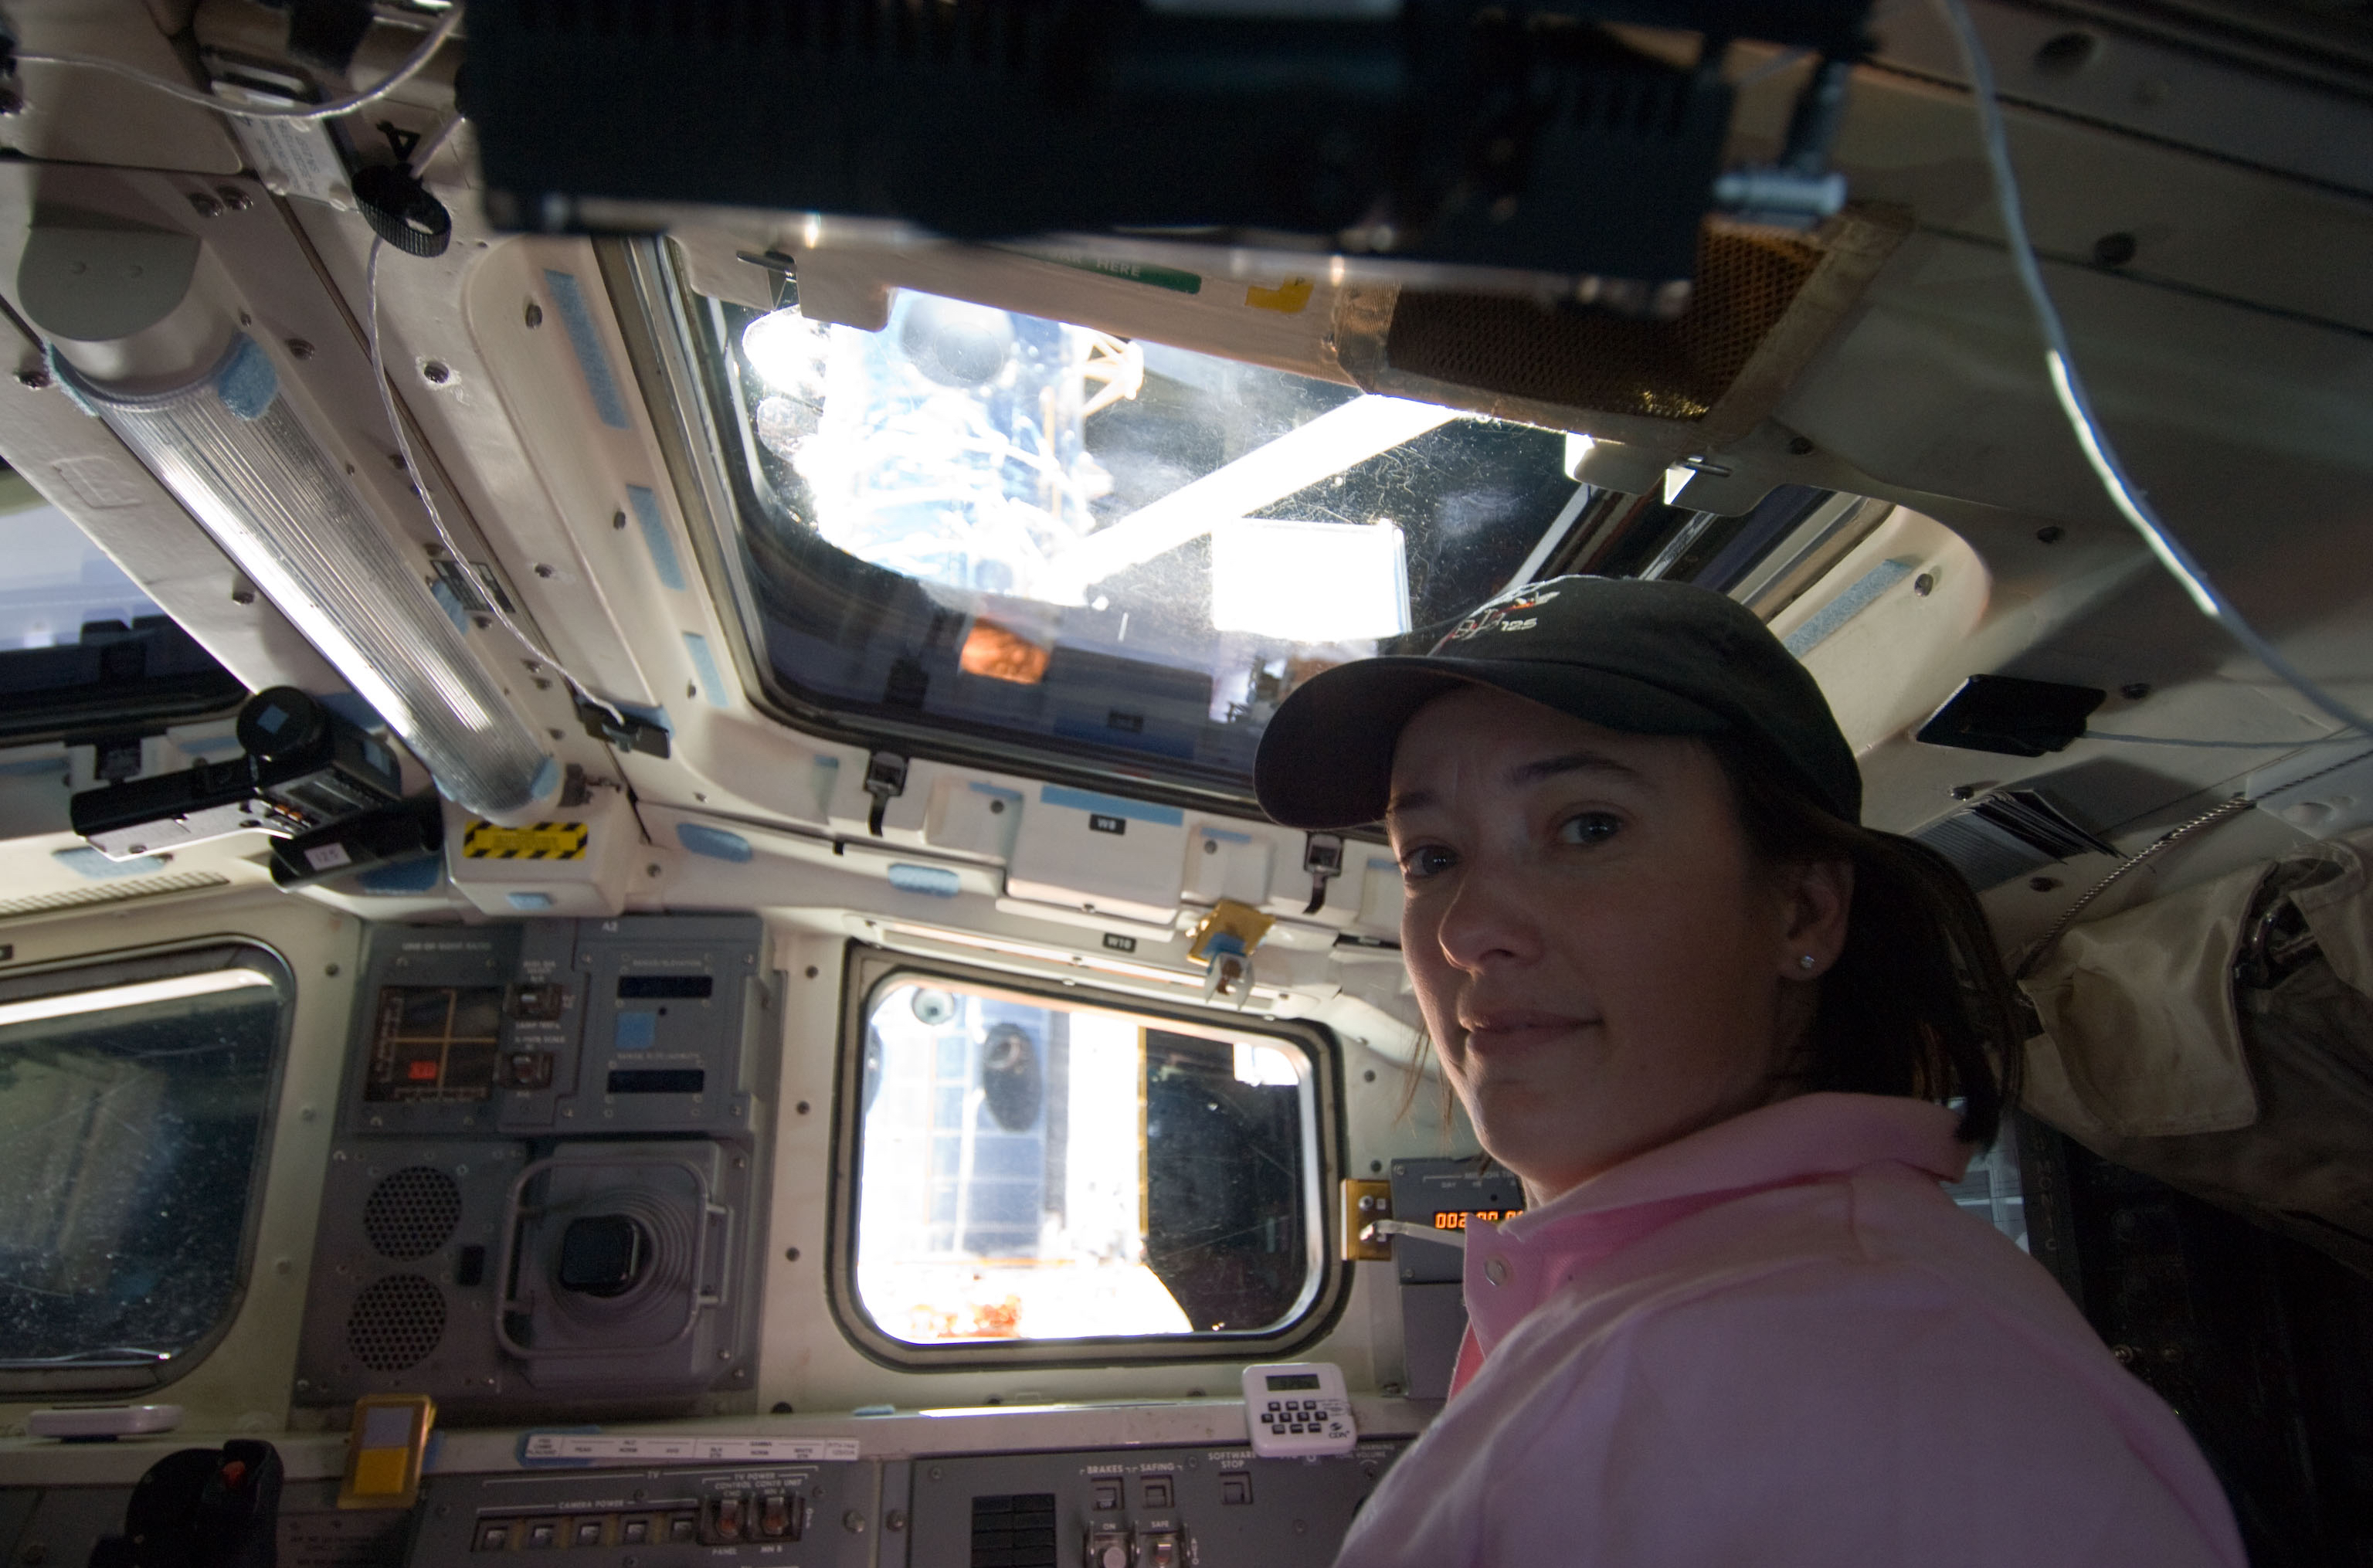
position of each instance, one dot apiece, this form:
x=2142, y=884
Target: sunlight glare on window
x=1037, y=1172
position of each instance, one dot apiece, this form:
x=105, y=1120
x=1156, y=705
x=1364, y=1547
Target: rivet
x=242, y=596
x=234, y=198
x=1800, y=446
x=532, y=315
x=206, y=204
x=1925, y=584
x=2051, y=533
x=1496, y=1271
x=299, y=349
x=2134, y=691
x=436, y=372
x=791, y=1255
x=544, y=571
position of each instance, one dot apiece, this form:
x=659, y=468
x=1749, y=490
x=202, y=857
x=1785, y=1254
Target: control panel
x=547, y=1182
x=815, y=1516
x=1220, y=1507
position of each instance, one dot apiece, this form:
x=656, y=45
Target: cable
x=2069, y=388
x=2224, y=745
x=2143, y=856
x=412, y=66
x=429, y=496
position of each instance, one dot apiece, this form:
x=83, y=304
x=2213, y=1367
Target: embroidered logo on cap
x=1498, y=615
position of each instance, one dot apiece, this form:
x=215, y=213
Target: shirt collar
x=1807, y=1136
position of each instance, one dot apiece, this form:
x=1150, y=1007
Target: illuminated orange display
x=1002, y=655
x=1455, y=1218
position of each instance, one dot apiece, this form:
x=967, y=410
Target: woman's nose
x=1489, y=919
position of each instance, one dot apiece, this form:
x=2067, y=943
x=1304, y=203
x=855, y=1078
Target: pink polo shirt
x=1778, y=1341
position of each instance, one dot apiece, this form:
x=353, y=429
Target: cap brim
x=1326, y=761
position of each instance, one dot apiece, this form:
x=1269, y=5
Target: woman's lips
x=1499, y=1033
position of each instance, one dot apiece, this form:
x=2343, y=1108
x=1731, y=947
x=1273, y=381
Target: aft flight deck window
x=80, y=645
x=136, y=1098
x=1032, y=1170
x=1042, y=537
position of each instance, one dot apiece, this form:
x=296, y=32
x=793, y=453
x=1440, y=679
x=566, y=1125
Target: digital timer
x=1455, y=1218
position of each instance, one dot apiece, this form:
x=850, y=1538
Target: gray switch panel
x=547, y=1187
x=814, y=1516
x=645, y=1024
x=1133, y=1507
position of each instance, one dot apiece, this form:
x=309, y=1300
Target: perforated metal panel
x=1674, y=369
x=412, y=1211
x=396, y=1322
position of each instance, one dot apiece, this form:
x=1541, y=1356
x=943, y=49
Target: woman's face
x=1602, y=964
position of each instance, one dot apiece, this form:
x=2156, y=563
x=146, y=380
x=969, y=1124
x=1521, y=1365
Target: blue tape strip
x=1110, y=805
x=99, y=868
x=655, y=536
x=247, y=382
x=704, y=664
x=1846, y=606
x=937, y=880
x=714, y=842
x=593, y=359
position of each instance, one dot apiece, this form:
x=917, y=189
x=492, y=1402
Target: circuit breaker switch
x=1108, y=1547
x=774, y=1517
x=1159, y=1549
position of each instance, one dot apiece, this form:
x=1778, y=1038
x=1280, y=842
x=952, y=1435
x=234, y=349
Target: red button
x=234, y=1473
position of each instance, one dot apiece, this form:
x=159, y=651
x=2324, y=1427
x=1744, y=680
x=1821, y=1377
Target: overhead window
x=135, y=1102
x=81, y=648
x=1031, y=1171
x=1030, y=534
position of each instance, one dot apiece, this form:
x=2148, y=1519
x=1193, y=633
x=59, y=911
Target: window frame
x=87, y=972
x=865, y=972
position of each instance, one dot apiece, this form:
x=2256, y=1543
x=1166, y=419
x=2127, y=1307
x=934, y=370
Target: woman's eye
x=1425, y=860
x=1589, y=827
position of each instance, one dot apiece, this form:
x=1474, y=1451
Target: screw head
x=34, y=380
x=1800, y=446
x=791, y=1255
x=544, y=572
x=532, y=315
x=1925, y=584
x=2051, y=533
x=853, y=1522
x=300, y=348
x=2134, y=691
x=206, y=203
x=2042, y=883
x=2114, y=249
x=234, y=198
x=1963, y=791
x=242, y=596
x=436, y=372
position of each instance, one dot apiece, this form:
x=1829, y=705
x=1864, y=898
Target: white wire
x=2226, y=745
x=427, y=492
x=2060, y=359
x=412, y=66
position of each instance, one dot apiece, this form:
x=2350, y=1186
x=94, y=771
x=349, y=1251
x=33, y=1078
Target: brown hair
x=1918, y=1003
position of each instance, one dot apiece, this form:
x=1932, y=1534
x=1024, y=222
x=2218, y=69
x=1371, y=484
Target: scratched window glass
x=133, y=1106
x=1037, y=532
x=1032, y=1171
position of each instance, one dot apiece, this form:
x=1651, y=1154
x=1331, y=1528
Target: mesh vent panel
x=411, y=1213
x=1674, y=369
x=396, y=1322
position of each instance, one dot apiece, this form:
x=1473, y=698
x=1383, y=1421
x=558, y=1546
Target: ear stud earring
x=1805, y=962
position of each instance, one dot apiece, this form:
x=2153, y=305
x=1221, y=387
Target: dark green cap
x=1644, y=658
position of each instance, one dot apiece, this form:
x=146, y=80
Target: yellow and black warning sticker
x=538, y=841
